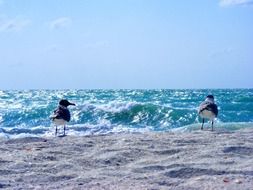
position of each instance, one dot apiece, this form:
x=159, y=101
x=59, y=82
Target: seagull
x=61, y=115
x=208, y=110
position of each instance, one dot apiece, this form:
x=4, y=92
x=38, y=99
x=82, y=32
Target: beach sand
x=190, y=160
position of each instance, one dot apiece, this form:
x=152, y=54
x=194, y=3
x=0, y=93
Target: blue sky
x=114, y=44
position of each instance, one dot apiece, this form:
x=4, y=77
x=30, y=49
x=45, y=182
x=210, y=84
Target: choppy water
x=26, y=113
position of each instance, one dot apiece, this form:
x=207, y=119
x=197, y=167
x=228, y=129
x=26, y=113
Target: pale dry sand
x=193, y=160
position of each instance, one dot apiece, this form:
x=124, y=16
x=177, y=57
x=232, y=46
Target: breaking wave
x=26, y=113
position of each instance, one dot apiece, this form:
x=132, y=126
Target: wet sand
x=192, y=160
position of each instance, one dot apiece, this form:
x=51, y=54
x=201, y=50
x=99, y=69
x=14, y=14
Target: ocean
x=26, y=112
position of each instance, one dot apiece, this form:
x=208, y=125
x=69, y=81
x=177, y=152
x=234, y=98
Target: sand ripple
x=196, y=160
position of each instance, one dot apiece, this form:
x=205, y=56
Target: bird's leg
x=56, y=130
x=202, y=123
x=64, y=128
x=212, y=125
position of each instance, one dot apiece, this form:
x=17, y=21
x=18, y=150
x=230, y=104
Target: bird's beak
x=72, y=104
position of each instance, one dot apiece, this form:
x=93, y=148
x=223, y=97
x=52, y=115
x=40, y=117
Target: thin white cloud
x=226, y=3
x=15, y=24
x=61, y=22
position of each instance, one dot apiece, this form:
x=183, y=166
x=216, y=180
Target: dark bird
x=61, y=115
x=208, y=110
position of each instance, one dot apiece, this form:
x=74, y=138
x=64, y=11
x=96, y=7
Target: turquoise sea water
x=26, y=113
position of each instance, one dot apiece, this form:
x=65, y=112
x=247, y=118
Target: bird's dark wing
x=208, y=106
x=214, y=109
x=61, y=113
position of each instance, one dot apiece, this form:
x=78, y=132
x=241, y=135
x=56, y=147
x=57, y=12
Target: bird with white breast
x=61, y=116
x=208, y=110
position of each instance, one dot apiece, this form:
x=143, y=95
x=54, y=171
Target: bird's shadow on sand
x=63, y=135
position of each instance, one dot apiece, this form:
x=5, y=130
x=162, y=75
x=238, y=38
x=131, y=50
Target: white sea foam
x=105, y=127
x=117, y=106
